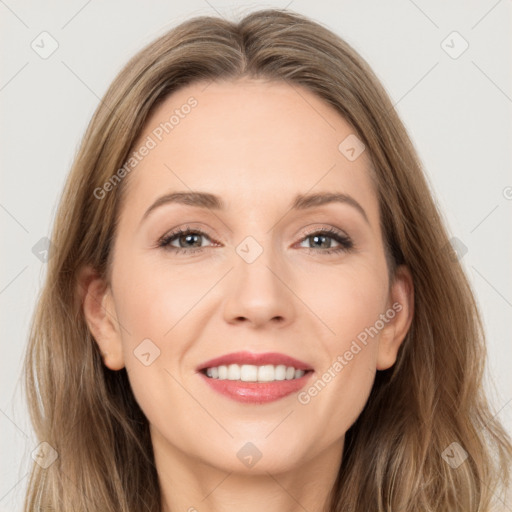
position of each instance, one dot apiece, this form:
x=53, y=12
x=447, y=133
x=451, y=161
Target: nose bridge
x=257, y=292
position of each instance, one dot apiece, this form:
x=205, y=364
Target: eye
x=189, y=238
x=190, y=241
x=322, y=237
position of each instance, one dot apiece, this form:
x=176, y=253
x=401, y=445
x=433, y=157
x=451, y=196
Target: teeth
x=249, y=373
x=233, y=372
x=252, y=373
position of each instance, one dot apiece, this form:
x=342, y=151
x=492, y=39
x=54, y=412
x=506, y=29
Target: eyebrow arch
x=213, y=202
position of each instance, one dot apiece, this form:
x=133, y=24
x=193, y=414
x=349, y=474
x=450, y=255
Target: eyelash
x=345, y=242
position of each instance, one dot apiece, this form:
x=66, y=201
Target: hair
x=432, y=397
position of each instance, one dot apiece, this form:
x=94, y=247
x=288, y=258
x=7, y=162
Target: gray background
x=457, y=111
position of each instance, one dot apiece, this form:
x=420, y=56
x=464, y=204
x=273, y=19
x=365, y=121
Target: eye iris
x=188, y=237
x=325, y=245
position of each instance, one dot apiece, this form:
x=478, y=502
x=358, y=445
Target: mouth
x=255, y=378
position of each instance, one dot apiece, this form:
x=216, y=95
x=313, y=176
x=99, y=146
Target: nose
x=259, y=293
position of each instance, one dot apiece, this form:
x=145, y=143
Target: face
x=264, y=273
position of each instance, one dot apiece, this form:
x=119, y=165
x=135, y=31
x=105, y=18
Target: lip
x=256, y=392
x=256, y=359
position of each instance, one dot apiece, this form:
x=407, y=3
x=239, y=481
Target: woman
x=194, y=349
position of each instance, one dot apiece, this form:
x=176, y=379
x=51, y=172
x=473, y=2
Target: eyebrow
x=213, y=202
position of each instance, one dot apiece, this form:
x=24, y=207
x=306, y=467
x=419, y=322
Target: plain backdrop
x=456, y=103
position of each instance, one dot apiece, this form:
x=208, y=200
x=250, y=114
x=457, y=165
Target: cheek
x=158, y=310
x=352, y=309
x=154, y=307
x=152, y=300
x=351, y=304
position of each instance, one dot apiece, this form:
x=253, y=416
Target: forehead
x=248, y=140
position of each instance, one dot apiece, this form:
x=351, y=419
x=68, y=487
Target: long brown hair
x=394, y=455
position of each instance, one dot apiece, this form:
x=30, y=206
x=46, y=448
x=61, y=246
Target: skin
x=256, y=144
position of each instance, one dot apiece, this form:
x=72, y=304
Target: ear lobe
x=100, y=316
x=401, y=302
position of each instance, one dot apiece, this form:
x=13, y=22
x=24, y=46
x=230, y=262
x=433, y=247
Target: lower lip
x=257, y=392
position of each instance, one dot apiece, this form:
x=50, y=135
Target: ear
x=401, y=303
x=100, y=315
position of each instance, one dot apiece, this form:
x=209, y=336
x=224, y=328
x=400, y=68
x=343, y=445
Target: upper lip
x=257, y=359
